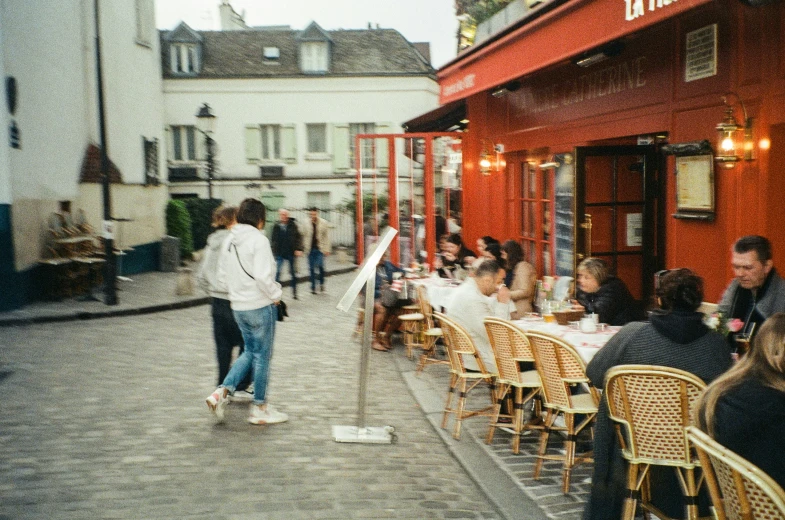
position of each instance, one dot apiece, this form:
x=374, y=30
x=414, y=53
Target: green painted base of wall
x=143, y=259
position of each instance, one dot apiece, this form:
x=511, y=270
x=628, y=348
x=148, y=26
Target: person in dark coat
x=674, y=337
x=287, y=244
x=744, y=409
x=455, y=254
x=601, y=293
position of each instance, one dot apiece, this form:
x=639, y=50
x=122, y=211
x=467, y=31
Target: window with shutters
x=271, y=141
x=183, y=147
x=368, y=150
x=317, y=138
x=145, y=22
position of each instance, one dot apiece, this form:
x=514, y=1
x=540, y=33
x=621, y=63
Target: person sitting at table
x=675, y=336
x=453, y=255
x=601, y=293
x=385, y=301
x=757, y=291
x=480, y=296
x=744, y=409
x=520, y=277
x=482, y=245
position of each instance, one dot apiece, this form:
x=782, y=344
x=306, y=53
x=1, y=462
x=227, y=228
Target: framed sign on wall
x=694, y=180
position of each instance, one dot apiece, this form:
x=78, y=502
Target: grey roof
x=362, y=52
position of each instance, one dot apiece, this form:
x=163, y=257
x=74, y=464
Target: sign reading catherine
x=636, y=8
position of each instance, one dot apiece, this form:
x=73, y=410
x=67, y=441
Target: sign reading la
x=636, y=8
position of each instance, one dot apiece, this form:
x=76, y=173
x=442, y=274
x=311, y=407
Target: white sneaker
x=217, y=402
x=241, y=396
x=267, y=416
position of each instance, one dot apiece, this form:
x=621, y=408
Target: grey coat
x=773, y=300
x=685, y=345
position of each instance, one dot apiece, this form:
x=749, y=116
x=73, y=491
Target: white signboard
x=634, y=229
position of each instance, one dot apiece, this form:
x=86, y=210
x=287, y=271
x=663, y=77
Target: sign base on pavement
x=367, y=435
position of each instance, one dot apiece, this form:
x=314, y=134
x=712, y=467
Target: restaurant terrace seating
x=739, y=490
x=430, y=333
x=459, y=343
x=507, y=340
x=651, y=406
x=562, y=370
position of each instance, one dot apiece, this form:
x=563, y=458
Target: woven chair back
x=425, y=306
x=458, y=343
x=502, y=335
x=739, y=489
x=558, y=365
x=654, y=405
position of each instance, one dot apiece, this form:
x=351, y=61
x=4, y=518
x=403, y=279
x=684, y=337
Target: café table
x=441, y=292
x=587, y=344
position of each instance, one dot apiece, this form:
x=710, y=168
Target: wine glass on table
x=742, y=340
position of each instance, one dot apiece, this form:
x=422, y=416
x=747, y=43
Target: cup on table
x=602, y=327
x=575, y=325
x=549, y=318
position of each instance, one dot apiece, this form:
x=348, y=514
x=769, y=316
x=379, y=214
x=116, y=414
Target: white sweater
x=255, y=287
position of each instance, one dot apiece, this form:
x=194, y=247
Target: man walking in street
x=287, y=244
x=316, y=237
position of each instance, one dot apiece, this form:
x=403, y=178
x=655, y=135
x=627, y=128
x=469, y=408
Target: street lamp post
x=205, y=121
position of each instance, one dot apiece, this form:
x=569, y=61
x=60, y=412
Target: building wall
x=751, y=62
x=238, y=103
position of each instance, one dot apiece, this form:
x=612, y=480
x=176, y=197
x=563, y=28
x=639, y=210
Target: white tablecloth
x=587, y=345
x=440, y=294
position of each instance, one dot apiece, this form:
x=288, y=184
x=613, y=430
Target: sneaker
x=241, y=396
x=217, y=402
x=313, y=291
x=268, y=416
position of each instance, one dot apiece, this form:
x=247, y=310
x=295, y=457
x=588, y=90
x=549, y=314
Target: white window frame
x=184, y=143
x=271, y=142
x=314, y=57
x=184, y=58
x=367, y=144
x=316, y=152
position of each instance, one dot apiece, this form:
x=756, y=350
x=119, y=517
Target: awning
x=568, y=30
x=442, y=119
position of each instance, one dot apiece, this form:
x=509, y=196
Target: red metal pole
x=430, y=201
x=392, y=206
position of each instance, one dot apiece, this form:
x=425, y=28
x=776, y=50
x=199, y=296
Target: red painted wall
x=539, y=119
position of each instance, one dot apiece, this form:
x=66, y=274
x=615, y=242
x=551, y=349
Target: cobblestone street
x=106, y=419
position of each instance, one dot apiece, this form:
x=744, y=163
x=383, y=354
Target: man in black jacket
x=287, y=244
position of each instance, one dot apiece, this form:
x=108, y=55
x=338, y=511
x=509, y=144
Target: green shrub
x=201, y=212
x=178, y=224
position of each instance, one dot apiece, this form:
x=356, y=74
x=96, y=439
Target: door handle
x=587, y=236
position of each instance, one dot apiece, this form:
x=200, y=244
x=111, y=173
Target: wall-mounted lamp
x=600, y=54
x=733, y=145
x=510, y=86
x=489, y=163
x=550, y=163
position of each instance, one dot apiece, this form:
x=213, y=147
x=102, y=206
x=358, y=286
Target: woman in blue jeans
x=248, y=271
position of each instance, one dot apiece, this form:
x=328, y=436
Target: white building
x=47, y=51
x=288, y=104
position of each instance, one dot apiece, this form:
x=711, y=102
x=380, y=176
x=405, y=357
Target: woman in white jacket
x=226, y=333
x=248, y=270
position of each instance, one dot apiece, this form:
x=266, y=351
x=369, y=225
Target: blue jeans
x=258, y=328
x=279, y=260
x=316, y=261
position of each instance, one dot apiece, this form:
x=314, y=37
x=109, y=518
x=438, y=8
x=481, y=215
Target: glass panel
x=599, y=179
x=530, y=252
x=178, y=144
x=546, y=259
x=265, y=142
x=629, y=182
x=531, y=183
x=629, y=269
x=190, y=134
x=546, y=183
x=629, y=223
x=276, y=141
x=602, y=229
x=546, y=221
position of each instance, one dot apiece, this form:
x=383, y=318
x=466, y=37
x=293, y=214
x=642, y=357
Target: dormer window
x=314, y=57
x=271, y=55
x=184, y=58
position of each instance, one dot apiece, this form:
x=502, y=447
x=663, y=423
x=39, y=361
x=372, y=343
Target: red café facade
x=587, y=109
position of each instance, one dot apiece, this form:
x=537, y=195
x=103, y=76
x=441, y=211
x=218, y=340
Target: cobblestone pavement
x=106, y=419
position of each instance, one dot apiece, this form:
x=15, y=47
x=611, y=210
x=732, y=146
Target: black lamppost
x=205, y=121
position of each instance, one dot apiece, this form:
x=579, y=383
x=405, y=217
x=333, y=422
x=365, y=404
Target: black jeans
x=279, y=261
x=227, y=336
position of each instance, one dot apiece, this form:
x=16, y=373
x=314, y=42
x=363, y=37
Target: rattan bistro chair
x=430, y=333
x=739, y=489
x=561, y=368
x=650, y=406
x=505, y=337
x=459, y=343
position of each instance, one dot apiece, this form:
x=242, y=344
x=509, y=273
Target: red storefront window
x=537, y=217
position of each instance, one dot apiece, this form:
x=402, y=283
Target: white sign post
x=367, y=276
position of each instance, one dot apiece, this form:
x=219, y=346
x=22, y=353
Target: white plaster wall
x=241, y=102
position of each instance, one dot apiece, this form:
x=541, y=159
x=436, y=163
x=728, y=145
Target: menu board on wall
x=565, y=214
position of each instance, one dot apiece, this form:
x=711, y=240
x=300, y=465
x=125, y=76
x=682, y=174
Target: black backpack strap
x=239, y=262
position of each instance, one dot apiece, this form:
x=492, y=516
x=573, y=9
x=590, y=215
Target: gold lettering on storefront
x=635, y=8
x=607, y=81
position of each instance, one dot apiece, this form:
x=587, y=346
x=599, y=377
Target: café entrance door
x=615, y=211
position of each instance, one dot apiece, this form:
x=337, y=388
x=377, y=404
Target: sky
x=430, y=21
